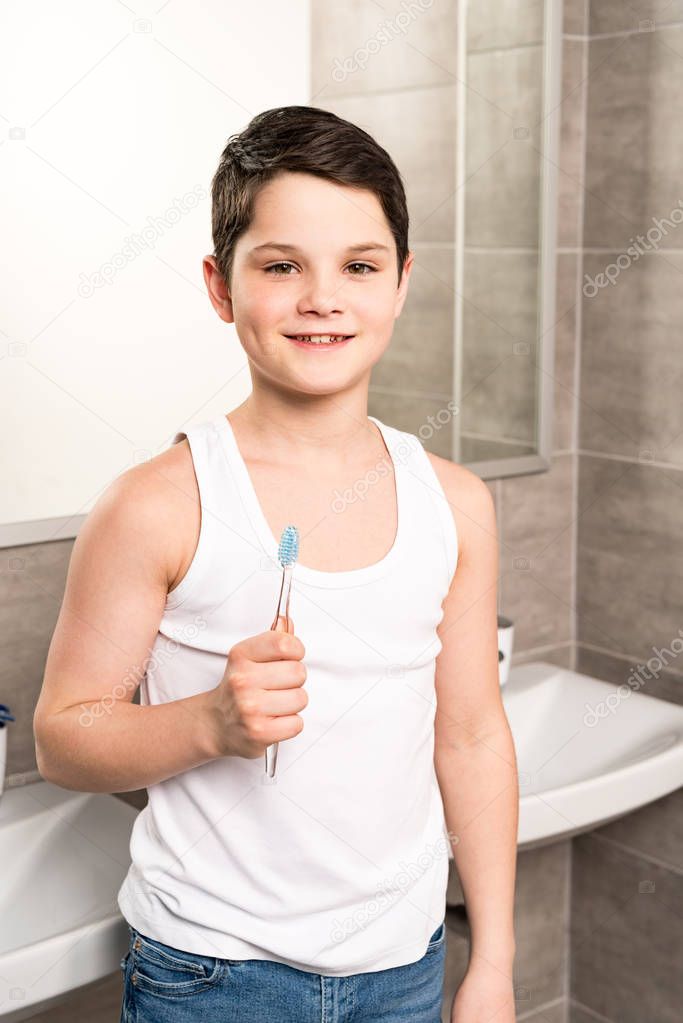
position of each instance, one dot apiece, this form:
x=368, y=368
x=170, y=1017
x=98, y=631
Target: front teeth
x=323, y=339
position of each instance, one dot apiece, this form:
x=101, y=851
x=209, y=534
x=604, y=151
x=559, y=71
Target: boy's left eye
x=270, y=269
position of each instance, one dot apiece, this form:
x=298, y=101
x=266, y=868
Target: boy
x=313, y=895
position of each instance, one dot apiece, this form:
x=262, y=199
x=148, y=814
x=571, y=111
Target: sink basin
x=64, y=857
x=587, y=751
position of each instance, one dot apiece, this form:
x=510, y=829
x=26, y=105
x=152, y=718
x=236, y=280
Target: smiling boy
x=319, y=894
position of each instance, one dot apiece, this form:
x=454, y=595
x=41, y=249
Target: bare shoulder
x=468, y=496
x=160, y=486
x=170, y=475
x=174, y=495
x=155, y=506
x=461, y=486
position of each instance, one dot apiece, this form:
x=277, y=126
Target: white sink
x=64, y=856
x=578, y=769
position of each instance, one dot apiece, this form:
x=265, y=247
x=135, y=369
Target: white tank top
x=339, y=864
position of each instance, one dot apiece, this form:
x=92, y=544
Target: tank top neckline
x=302, y=573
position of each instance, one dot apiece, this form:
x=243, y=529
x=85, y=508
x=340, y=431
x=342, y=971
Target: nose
x=321, y=295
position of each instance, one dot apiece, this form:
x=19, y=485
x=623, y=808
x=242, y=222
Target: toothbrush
x=286, y=554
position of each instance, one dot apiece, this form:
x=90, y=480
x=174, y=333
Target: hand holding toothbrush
x=259, y=700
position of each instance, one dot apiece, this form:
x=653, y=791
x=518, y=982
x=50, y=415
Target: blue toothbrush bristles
x=289, y=546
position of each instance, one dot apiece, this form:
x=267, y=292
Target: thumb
x=282, y=624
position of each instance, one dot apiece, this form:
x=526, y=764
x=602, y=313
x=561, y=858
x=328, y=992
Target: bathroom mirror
x=507, y=143
x=109, y=346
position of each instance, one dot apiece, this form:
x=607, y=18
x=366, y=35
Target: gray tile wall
x=627, y=891
x=32, y=581
x=627, y=907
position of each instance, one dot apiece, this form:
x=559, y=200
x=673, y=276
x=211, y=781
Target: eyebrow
x=284, y=247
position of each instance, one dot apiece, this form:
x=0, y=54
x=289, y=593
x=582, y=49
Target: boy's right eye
x=268, y=269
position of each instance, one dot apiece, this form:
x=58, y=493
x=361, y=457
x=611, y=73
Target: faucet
x=5, y=716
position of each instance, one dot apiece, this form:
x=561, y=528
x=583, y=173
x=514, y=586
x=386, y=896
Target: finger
x=287, y=625
x=281, y=702
x=273, y=675
x=264, y=647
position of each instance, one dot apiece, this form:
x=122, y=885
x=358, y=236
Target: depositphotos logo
x=634, y=682
x=640, y=246
x=140, y=241
x=165, y=650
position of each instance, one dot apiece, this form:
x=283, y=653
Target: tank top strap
x=208, y=470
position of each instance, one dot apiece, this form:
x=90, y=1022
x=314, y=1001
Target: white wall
x=112, y=120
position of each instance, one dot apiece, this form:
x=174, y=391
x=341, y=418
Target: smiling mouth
x=319, y=340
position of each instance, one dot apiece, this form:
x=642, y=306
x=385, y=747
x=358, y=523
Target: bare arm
x=474, y=751
x=89, y=734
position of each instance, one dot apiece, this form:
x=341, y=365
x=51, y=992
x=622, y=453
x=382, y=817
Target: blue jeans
x=162, y=983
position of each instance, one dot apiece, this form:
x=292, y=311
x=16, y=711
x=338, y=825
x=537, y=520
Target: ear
x=217, y=289
x=403, y=286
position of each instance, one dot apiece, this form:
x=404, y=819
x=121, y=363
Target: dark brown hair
x=309, y=140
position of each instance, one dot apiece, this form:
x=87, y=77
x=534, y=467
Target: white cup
x=3, y=757
x=506, y=632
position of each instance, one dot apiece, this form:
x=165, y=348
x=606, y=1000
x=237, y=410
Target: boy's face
x=317, y=287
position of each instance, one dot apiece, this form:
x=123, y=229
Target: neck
x=332, y=427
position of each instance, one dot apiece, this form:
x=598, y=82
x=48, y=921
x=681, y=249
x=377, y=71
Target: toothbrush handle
x=281, y=613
